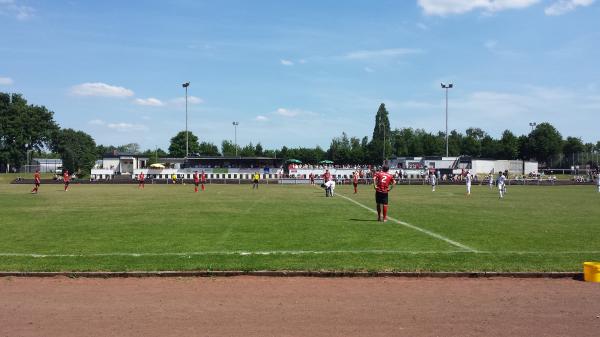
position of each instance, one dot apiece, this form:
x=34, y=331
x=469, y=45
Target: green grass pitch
x=282, y=227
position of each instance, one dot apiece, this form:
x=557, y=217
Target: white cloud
x=120, y=126
x=6, y=81
x=126, y=127
x=150, y=101
x=448, y=7
x=561, y=7
x=191, y=100
x=261, y=118
x=302, y=61
x=286, y=112
x=100, y=89
x=286, y=62
x=96, y=122
x=370, y=54
x=12, y=8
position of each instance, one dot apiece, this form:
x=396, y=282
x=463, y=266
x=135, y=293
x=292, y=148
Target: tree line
x=29, y=130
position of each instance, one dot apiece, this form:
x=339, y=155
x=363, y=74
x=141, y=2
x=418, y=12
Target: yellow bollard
x=591, y=271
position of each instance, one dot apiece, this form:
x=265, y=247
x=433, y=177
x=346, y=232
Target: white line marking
x=295, y=252
x=406, y=224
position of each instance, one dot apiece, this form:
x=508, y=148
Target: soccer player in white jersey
x=468, y=180
x=432, y=180
x=598, y=181
x=500, y=183
x=330, y=188
x=491, y=182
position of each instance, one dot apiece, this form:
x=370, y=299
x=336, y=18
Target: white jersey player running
x=491, y=181
x=501, y=182
x=468, y=179
x=598, y=182
x=432, y=180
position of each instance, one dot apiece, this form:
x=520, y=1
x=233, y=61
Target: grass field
x=278, y=227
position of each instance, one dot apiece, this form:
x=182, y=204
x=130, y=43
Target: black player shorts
x=196, y=183
x=37, y=184
x=67, y=183
x=256, y=181
x=381, y=198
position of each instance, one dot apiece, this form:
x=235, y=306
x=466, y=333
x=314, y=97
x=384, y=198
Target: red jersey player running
x=196, y=181
x=142, y=180
x=36, y=181
x=203, y=179
x=66, y=179
x=383, y=183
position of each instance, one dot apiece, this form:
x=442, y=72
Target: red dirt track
x=298, y=306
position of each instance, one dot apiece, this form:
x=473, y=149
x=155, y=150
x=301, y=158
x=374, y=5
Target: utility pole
x=186, y=85
x=235, y=124
x=446, y=87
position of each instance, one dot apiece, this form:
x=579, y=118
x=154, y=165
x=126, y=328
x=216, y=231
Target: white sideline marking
x=406, y=224
x=296, y=252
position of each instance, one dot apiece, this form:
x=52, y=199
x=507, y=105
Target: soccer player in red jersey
x=355, y=181
x=36, y=181
x=142, y=181
x=203, y=179
x=196, y=181
x=326, y=176
x=66, y=179
x=383, y=183
x=311, y=176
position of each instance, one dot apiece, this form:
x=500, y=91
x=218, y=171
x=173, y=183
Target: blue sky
x=299, y=73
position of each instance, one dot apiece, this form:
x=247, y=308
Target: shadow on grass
x=364, y=220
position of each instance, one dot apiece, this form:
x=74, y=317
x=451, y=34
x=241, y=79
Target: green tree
x=509, y=146
x=572, y=146
x=258, y=150
x=77, y=150
x=524, y=147
x=155, y=155
x=381, y=131
x=545, y=142
x=402, y=140
x=455, y=141
x=471, y=144
x=23, y=128
x=228, y=149
x=357, y=152
x=208, y=149
x=247, y=151
x=101, y=150
x=177, y=147
x=133, y=148
x=340, y=150
x=491, y=148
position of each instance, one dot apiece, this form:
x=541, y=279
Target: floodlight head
x=450, y=85
x=443, y=85
x=235, y=123
x=186, y=84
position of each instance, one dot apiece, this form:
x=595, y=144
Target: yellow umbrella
x=157, y=166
